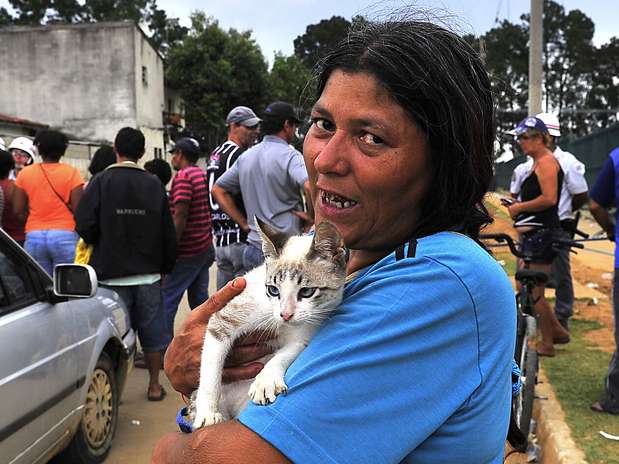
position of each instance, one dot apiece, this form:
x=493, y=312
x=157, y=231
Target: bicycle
x=526, y=329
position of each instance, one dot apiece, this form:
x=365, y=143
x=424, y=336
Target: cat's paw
x=206, y=419
x=265, y=388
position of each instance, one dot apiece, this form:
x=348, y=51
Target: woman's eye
x=323, y=124
x=273, y=291
x=371, y=139
x=307, y=292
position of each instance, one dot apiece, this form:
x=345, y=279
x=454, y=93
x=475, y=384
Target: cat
x=298, y=286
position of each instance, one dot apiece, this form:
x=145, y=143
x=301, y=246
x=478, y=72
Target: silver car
x=66, y=350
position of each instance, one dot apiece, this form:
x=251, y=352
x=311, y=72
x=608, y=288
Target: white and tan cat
x=298, y=286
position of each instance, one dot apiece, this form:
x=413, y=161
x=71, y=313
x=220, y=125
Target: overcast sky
x=276, y=23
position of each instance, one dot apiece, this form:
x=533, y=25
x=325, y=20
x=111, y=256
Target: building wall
x=78, y=78
x=149, y=91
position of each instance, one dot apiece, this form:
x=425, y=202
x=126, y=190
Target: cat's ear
x=328, y=244
x=272, y=240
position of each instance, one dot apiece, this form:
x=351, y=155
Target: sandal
x=599, y=407
x=162, y=394
x=544, y=350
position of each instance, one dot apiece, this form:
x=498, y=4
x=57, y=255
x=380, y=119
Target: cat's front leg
x=270, y=381
x=214, y=352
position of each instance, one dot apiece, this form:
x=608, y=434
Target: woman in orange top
x=47, y=195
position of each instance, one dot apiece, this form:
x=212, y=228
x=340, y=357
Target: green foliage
x=319, y=39
x=577, y=374
x=215, y=70
x=578, y=77
x=290, y=80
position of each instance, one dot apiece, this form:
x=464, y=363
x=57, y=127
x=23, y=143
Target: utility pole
x=535, y=56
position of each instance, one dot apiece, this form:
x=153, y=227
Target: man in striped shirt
x=229, y=237
x=192, y=220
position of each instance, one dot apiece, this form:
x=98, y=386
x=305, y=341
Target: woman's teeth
x=337, y=201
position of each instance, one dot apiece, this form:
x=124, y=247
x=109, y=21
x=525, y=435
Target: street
x=141, y=422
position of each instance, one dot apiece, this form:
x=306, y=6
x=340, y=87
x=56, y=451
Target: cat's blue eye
x=307, y=292
x=273, y=291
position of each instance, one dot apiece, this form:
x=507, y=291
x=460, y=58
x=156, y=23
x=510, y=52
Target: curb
x=553, y=433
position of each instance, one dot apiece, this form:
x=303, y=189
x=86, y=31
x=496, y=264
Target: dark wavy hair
x=7, y=163
x=442, y=84
x=103, y=157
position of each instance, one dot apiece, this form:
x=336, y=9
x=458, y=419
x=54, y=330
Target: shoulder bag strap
x=54, y=190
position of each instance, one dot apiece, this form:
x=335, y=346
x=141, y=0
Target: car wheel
x=93, y=439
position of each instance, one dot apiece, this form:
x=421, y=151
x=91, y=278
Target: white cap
x=24, y=144
x=552, y=123
x=2, y=144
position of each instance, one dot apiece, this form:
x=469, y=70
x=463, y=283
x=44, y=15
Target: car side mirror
x=75, y=280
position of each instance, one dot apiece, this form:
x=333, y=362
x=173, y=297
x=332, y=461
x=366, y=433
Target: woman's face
x=367, y=162
x=530, y=142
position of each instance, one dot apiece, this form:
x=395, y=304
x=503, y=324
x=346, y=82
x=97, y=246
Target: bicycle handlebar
x=501, y=237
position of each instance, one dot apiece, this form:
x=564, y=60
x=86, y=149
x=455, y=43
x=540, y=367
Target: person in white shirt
x=574, y=194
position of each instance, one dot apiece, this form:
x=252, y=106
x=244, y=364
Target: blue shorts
x=538, y=245
x=145, y=307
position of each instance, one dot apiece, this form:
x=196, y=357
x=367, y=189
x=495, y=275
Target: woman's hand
x=182, y=359
x=514, y=210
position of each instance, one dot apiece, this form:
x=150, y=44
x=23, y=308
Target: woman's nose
x=332, y=159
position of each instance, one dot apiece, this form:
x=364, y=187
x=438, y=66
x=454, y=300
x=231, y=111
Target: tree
x=165, y=32
x=289, y=80
x=215, y=70
x=319, y=39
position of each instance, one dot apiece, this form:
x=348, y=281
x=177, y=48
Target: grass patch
x=497, y=211
x=577, y=374
x=507, y=260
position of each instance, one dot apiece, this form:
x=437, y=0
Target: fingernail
x=235, y=283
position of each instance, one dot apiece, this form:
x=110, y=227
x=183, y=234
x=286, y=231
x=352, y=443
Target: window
x=145, y=76
x=15, y=284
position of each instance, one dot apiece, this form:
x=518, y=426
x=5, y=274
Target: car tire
x=93, y=440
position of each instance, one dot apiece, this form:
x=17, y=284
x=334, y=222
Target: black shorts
x=538, y=245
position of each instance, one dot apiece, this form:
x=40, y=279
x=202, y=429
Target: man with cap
x=270, y=177
x=572, y=197
x=192, y=220
x=23, y=151
x=230, y=239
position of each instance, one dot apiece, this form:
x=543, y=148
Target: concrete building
x=88, y=80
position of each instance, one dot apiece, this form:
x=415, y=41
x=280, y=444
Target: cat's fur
x=275, y=299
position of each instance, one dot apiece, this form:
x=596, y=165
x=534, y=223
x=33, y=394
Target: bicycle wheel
x=524, y=407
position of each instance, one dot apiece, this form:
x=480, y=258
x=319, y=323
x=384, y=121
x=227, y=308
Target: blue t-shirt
x=414, y=366
x=605, y=191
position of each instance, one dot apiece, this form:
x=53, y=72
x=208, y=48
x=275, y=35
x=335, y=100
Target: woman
x=23, y=151
x=47, y=195
x=415, y=364
x=10, y=223
x=537, y=220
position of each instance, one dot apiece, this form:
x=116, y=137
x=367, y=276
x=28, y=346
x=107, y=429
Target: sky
x=276, y=23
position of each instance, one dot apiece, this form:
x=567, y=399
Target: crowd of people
x=398, y=157
x=120, y=219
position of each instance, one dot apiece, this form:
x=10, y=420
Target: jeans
x=611, y=383
x=564, y=289
x=252, y=257
x=51, y=247
x=189, y=274
x=229, y=263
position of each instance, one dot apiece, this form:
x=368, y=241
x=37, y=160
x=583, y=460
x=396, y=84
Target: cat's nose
x=286, y=316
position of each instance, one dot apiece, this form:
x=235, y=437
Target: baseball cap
x=530, y=123
x=242, y=115
x=281, y=110
x=187, y=145
x=552, y=123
